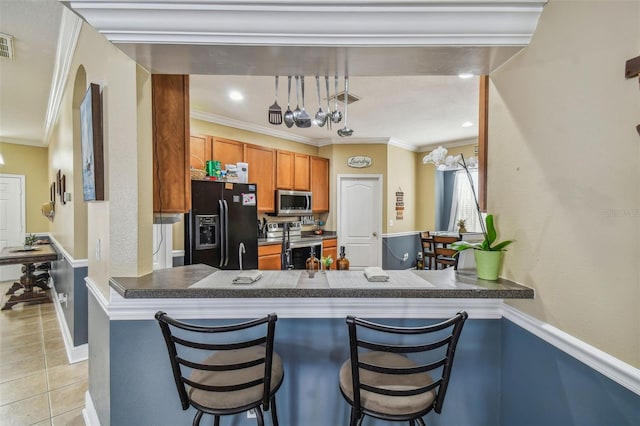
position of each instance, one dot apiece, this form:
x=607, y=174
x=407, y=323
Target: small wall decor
x=91, y=138
x=359, y=161
x=52, y=193
x=63, y=189
x=399, y=204
x=58, y=182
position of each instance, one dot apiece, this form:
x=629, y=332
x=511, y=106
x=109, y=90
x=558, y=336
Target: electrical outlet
x=405, y=257
x=251, y=414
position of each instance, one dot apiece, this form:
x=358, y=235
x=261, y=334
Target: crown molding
x=449, y=144
x=297, y=22
x=70, y=26
x=239, y=124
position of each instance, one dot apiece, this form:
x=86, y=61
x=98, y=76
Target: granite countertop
x=203, y=281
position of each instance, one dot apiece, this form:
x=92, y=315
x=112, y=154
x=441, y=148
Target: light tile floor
x=38, y=386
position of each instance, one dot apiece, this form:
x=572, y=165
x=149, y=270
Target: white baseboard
x=74, y=353
x=89, y=413
x=620, y=372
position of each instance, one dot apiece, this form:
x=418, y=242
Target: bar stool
x=383, y=382
x=230, y=378
x=426, y=242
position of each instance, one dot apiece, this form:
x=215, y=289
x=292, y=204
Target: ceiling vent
x=6, y=46
x=352, y=98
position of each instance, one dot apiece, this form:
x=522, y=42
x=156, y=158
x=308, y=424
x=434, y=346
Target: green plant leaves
x=487, y=243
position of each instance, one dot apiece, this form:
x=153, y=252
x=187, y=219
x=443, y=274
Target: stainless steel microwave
x=293, y=203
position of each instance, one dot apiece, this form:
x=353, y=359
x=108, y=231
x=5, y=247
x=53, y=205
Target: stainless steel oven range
x=299, y=246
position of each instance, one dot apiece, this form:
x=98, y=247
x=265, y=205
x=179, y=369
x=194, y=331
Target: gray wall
x=70, y=281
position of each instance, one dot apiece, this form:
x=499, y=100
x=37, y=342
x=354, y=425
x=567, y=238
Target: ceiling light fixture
x=467, y=124
x=465, y=75
x=236, y=96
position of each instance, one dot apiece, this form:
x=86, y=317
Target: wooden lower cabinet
x=269, y=257
x=330, y=248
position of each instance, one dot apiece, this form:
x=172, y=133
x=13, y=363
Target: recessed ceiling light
x=465, y=75
x=467, y=124
x=236, y=96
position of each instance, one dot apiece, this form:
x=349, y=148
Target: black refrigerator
x=221, y=228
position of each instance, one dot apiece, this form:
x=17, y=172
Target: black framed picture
x=91, y=138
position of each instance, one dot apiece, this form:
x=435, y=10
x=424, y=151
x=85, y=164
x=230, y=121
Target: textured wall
x=564, y=175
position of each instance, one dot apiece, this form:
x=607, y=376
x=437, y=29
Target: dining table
x=29, y=289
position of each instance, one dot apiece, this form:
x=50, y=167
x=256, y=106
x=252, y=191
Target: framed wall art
x=91, y=138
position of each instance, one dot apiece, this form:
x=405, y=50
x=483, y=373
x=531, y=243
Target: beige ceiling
x=409, y=95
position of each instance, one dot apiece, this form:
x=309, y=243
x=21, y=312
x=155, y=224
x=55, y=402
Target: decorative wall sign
x=399, y=204
x=91, y=137
x=359, y=161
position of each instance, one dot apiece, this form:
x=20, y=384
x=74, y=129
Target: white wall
x=564, y=175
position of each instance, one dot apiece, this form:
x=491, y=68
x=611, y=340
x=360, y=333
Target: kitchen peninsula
x=132, y=382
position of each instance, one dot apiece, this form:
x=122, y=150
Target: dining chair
x=229, y=374
x=402, y=380
x=426, y=243
x=445, y=256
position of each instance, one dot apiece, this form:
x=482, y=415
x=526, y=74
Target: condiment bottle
x=313, y=264
x=343, y=262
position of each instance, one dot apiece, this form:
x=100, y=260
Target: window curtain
x=463, y=205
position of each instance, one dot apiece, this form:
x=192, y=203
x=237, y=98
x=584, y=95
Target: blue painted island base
x=503, y=375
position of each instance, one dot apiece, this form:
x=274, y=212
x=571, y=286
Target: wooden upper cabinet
x=200, y=147
x=171, y=147
x=319, y=173
x=262, y=163
x=284, y=169
x=227, y=151
x=301, y=180
x=292, y=170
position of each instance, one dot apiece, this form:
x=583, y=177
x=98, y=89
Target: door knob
x=375, y=234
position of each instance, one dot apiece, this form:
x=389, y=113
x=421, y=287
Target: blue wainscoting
x=542, y=385
x=69, y=281
x=142, y=392
x=395, y=246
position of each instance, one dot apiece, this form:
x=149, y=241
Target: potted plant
x=462, y=228
x=326, y=262
x=488, y=254
x=30, y=240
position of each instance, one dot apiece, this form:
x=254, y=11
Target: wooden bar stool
x=380, y=381
x=426, y=242
x=445, y=256
x=226, y=378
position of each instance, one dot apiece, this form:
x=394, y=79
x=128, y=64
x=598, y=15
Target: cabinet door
x=170, y=116
x=284, y=169
x=301, y=172
x=200, y=151
x=226, y=151
x=262, y=162
x=329, y=248
x=319, y=174
x=269, y=257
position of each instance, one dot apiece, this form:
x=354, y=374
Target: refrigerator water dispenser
x=206, y=231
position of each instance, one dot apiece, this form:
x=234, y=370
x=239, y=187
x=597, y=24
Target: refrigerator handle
x=226, y=233
x=223, y=232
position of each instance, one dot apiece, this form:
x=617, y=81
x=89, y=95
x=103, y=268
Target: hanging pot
x=488, y=264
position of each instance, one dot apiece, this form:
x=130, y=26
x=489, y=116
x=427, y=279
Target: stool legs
x=274, y=412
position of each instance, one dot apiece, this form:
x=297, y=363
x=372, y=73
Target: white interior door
x=360, y=219
x=12, y=219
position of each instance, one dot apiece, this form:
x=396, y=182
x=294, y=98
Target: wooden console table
x=18, y=255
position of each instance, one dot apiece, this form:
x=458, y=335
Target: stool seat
x=394, y=405
x=239, y=398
